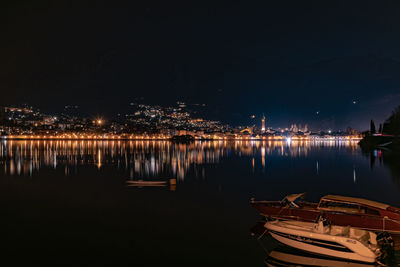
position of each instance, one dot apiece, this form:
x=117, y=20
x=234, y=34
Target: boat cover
x=356, y=200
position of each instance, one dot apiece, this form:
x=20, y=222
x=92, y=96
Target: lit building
x=263, y=124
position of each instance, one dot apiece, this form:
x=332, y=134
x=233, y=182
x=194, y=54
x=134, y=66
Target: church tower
x=263, y=124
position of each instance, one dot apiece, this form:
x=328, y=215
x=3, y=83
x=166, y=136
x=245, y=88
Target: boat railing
x=292, y=217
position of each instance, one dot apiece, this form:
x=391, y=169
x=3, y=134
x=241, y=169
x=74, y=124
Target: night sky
x=330, y=64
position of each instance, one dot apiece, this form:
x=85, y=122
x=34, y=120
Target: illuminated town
x=148, y=122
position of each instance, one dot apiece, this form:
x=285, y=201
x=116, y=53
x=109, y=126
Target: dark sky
x=287, y=59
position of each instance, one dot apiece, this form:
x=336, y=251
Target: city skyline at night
x=145, y=120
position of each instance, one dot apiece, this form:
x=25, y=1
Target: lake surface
x=69, y=203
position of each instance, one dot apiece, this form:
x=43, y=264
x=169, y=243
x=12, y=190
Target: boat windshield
x=338, y=206
x=369, y=211
x=287, y=203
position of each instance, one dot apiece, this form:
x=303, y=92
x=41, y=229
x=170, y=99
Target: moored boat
x=146, y=183
x=324, y=239
x=340, y=210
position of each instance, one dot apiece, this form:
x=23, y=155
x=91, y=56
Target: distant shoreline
x=147, y=138
x=380, y=141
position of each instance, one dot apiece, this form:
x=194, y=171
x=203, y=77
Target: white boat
x=324, y=239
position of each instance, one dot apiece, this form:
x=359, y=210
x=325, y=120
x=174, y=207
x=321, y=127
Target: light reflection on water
x=146, y=158
x=217, y=207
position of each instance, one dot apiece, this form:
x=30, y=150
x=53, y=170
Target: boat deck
x=342, y=231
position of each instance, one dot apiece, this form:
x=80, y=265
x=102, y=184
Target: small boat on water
x=146, y=183
x=325, y=239
x=343, y=211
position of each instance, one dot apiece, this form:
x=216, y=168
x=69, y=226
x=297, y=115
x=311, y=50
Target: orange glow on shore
x=167, y=137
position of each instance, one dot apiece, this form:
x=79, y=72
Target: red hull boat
x=343, y=211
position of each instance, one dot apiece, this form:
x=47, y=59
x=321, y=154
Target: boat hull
x=146, y=182
x=367, y=222
x=322, y=244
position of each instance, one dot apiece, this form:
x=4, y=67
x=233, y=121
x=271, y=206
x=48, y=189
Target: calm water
x=68, y=202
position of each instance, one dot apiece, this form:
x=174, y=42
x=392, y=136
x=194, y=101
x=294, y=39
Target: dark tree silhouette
x=372, y=128
x=380, y=128
x=392, y=124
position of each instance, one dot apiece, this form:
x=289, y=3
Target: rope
x=266, y=230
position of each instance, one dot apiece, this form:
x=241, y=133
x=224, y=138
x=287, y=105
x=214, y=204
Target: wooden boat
x=146, y=183
x=324, y=239
x=340, y=210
